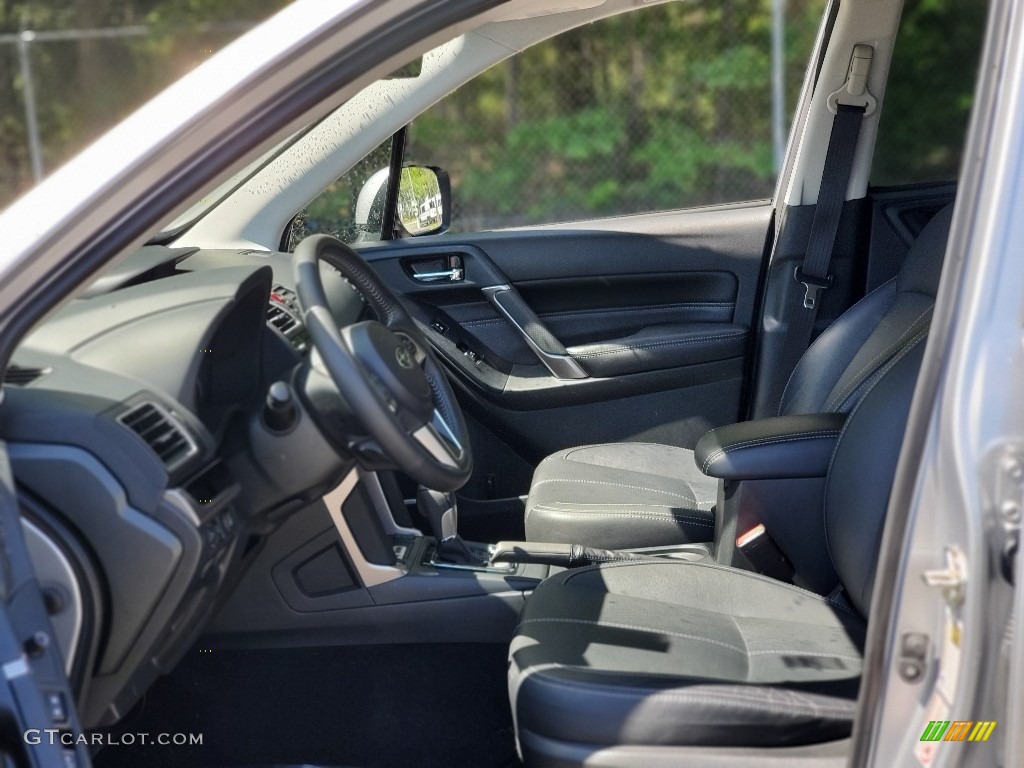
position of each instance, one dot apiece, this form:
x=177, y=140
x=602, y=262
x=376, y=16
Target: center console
x=403, y=564
x=347, y=569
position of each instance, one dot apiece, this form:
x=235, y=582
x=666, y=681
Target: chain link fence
x=670, y=106
x=71, y=70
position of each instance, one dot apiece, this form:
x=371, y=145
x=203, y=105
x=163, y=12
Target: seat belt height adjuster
x=813, y=286
x=854, y=92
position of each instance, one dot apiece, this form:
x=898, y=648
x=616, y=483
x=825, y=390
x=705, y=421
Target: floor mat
x=370, y=706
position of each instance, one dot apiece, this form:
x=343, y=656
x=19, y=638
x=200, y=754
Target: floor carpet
x=368, y=706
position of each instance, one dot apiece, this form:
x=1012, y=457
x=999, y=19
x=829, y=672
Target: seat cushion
x=675, y=653
x=621, y=495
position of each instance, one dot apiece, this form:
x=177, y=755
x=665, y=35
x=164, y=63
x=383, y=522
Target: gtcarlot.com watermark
x=55, y=736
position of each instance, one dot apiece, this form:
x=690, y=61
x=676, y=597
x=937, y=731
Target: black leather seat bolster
x=662, y=346
x=781, y=447
x=621, y=495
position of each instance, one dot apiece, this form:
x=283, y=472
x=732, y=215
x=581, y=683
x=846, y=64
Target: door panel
x=593, y=310
x=652, y=312
x=899, y=215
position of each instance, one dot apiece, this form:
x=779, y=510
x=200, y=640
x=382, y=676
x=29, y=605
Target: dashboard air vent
x=284, y=314
x=21, y=375
x=161, y=432
x=281, y=319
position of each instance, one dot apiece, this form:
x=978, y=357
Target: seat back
x=840, y=365
x=862, y=471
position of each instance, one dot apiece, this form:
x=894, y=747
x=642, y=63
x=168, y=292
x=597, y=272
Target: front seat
x=623, y=495
x=658, y=659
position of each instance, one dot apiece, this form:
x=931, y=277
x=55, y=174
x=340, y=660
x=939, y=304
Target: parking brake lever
x=561, y=555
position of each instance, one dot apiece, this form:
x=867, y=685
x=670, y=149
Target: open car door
x=38, y=725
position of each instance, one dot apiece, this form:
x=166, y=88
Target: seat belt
x=850, y=104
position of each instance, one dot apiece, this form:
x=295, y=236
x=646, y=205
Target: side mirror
x=424, y=203
x=369, y=214
x=424, y=200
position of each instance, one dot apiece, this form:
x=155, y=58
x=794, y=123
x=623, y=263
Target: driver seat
x=665, y=659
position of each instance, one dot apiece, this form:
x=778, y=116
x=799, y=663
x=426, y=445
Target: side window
x=929, y=92
x=333, y=211
x=666, y=107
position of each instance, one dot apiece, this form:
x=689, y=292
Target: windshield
x=228, y=187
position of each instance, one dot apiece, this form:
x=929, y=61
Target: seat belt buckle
x=813, y=286
x=764, y=554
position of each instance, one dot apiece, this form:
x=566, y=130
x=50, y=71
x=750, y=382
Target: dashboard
x=132, y=417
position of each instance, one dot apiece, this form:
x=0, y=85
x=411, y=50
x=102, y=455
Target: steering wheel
x=385, y=369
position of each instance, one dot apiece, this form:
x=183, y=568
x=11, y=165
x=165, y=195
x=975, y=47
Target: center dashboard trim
x=53, y=568
x=370, y=574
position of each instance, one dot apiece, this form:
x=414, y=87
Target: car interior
x=553, y=495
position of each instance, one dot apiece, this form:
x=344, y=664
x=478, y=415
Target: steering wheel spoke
x=438, y=439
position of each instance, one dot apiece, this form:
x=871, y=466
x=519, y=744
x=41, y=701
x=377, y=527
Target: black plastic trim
x=390, y=214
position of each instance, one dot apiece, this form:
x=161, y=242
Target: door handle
x=453, y=275
x=446, y=268
x=549, y=350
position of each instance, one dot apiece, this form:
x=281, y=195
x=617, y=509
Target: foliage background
x=664, y=108
x=84, y=87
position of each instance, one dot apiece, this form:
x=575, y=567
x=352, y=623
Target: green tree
x=665, y=107
x=85, y=86
x=929, y=95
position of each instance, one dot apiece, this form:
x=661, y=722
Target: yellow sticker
x=949, y=658
x=955, y=627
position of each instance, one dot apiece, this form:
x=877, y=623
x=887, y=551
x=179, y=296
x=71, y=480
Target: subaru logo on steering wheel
x=404, y=358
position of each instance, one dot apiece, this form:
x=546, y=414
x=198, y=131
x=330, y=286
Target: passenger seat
x=624, y=495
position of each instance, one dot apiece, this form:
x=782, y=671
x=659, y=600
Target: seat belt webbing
x=813, y=273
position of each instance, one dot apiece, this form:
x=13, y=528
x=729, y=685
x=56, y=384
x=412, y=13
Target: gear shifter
x=440, y=510
x=442, y=513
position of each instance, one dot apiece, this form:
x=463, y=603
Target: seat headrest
x=923, y=265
